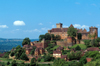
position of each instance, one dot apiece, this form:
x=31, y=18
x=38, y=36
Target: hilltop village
x=67, y=44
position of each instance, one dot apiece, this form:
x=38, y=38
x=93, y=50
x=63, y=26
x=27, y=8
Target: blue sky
x=30, y=18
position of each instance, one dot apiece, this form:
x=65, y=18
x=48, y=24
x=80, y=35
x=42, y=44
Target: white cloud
x=3, y=26
x=80, y=26
x=40, y=24
x=77, y=3
x=19, y=23
x=98, y=25
x=35, y=30
x=94, y=4
x=45, y=29
x=65, y=26
x=53, y=26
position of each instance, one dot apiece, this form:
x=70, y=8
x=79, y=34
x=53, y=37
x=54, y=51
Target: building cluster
x=59, y=30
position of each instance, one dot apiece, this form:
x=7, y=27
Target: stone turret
x=59, y=25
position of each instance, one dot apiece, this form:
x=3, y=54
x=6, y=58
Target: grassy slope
x=82, y=46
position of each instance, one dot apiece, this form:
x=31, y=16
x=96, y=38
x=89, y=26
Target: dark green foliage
x=47, y=58
x=12, y=54
x=74, y=63
x=52, y=36
x=71, y=32
x=79, y=36
x=87, y=43
x=65, y=51
x=49, y=48
x=32, y=52
x=24, y=57
x=33, y=62
x=26, y=41
x=78, y=48
x=6, y=55
x=8, y=63
x=74, y=56
x=39, y=59
x=13, y=63
x=58, y=37
x=47, y=36
x=59, y=62
x=93, y=54
x=83, y=60
x=18, y=52
x=41, y=37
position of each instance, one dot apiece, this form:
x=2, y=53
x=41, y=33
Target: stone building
x=39, y=51
x=42, y=44
x=59, y=30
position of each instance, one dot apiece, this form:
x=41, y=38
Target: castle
x=63, y=31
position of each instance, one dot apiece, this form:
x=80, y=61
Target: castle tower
x=94, y=30
x=59, y=25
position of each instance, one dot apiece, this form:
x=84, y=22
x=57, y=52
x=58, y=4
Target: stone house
x=39, y=51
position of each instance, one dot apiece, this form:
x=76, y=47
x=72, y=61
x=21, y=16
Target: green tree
x=12, y=54
x=59, y=62
x=77, y=48
x=26, y=41
x=33, y=62
x=72, y=32
x=47, y=36
x=8, y=63
x=41, y=37
x=87, y=43
x=58, y=37
x=83, y=60
x=24, y=57
x=79, y=36
x=13, y=63
x=52, y=36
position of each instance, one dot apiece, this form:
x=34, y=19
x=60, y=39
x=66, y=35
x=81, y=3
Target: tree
x=8, y=63
x=79, y=36
x=12, y=54
x=47, y=36
x=78, y=48
x=24, y=57
x=83, y=60
x=87, y=43
x=58, y=37
x=72, y=32
x=41, y=37
x=13, y=63
x=26, y=41
x=59, y=62
x=33, y=62
x=52, y=36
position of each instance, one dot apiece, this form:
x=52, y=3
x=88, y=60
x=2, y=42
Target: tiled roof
x=71, y=25
x=60, y=48
x=93, y=49
x=26, y=46
x=63, y=56
x=57, y=52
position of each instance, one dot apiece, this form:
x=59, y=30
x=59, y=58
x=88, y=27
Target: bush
x=83, y=60
x=8, y=63
x=78, y=48
x=13, y=63
x=12, y=54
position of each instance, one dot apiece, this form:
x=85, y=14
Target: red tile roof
x=63, y=56
x=93, y=49
x=57, y=52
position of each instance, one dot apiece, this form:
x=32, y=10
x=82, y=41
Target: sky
x=31, y=18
